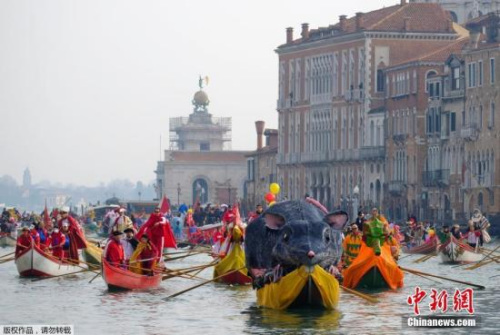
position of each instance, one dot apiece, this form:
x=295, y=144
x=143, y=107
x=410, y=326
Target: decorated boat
x=33, y=262
x=7, y=241
x=424, y=249
x=305, y=286
x=92, y=254
x=234, y=262
x=455, y=251
x=121, y=279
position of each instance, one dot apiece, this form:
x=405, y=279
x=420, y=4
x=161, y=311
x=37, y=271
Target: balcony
x=372, y=152
x=469, y=132
x=454, y=94
x=397, y=187
x=436, y=178
x=399, y=137
x=347, y=154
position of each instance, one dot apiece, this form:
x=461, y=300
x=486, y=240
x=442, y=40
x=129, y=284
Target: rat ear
x=274, y=221
x=337, y=220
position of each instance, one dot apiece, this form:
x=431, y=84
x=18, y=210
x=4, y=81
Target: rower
x=129, y=243
x=114, y=253
x=56, y=243
x=472, y=235
x=444, y=234
x=351, y=245
x=145, y=257
x=24, y=241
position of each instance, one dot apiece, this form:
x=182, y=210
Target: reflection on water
x=221, y=309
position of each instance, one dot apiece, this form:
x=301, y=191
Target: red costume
x=114, y=253
x=150, y=253
x=23, y=242
x=158, y=229
x=36, y=237
x=56, y=241
x=75, y=235
x=228, y=216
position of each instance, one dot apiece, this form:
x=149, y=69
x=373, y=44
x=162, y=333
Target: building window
x=453, y=121
x=492, y=70
x=204, y=146
x=491, y=121
x=455, y=80
x=472, y=74
x=380, y=80
x=480, y=121
x=251, y=169
x=480, y=74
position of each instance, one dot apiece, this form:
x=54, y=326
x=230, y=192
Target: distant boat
x=7, y=240
x=424, y=249
x=454, y=251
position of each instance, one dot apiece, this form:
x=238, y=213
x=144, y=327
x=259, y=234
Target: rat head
x=310, y=240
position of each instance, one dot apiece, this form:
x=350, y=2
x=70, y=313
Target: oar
x=493, y=258
x=359, y=294
x=7, y=260
x=97, y=275
x=10, y=253
x=440, y=277
x=434, y=280
x=204, y=283
x=476, y=265
x=184, y=256
x=66, y=274
x=179, y=273
x=425, y=258
x=405, y=257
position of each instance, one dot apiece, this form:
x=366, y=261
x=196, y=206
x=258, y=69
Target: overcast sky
x=87, y=87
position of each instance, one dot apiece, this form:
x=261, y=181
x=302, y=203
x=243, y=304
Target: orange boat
x=121, y=279
x=373, y=272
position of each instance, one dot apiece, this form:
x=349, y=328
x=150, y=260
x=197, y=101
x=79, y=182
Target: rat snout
x=311, y=254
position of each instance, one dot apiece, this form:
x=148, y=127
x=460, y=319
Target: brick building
x=331, y=105
x=261, y=166
x=462, y=11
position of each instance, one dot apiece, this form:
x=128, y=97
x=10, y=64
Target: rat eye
x=286, y=236
x=326, y=235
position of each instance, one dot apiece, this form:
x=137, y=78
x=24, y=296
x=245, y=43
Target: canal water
x=222, y=309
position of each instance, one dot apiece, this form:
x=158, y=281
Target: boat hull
x=424, y=249
x=33, y=262
x=121, y=279
x=302, y=287
x=234, y=260
x=455, y=252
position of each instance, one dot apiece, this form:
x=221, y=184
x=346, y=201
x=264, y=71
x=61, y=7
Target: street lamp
x=229, y=192
x=178, y=194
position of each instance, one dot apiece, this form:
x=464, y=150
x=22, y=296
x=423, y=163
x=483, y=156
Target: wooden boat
x=454, y=251
x=234, y=260
x=33, y=262
x=424, y=249
x=92, y=254
x=7, y=241
x=373, y=272
x=305, y=286
x=121, y=279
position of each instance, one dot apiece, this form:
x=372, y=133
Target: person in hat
x=74, y=231
x=159, y=232
x=360, y=220
x=258, y=211
x=455, y=232
x=472, y=234
x=145, y=257
x=56, y=242
x=24, y=241
x=444, y=234
x=351, y=245
x=35, y=235
x=122, y=222
x=129, y=243
x=114, y=253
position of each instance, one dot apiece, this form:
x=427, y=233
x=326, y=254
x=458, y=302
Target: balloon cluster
x=270, y=196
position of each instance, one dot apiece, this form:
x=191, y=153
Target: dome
x=200, y=98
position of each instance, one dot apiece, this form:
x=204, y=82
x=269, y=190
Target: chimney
x=474, y=38
x=359, y=21
x=342, y=22
x=403, y=2
x=406, y=26
x=289, y=35
x=259, y=126
x=305, y=31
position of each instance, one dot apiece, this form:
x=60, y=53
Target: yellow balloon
x=274, y=188
x=190, y=211
x=271, y=203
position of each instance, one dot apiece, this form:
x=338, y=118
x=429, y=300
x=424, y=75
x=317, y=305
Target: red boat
x=424, y=249
x=121, y=279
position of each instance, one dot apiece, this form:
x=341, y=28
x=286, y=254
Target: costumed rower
x=351, y=245
x=159, y=232
x=122, y=222
x=34, y=234
x=144, y=257
x=129, y=244
x=24, y=241
x=74, y=232
x=56, y=243
x=114, y=251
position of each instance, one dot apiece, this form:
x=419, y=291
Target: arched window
x=454, y=16
x=200, y=191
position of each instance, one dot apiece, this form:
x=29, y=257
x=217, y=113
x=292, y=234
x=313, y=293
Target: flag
x=206, y=80
x=46, y=216
x=164, y=206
